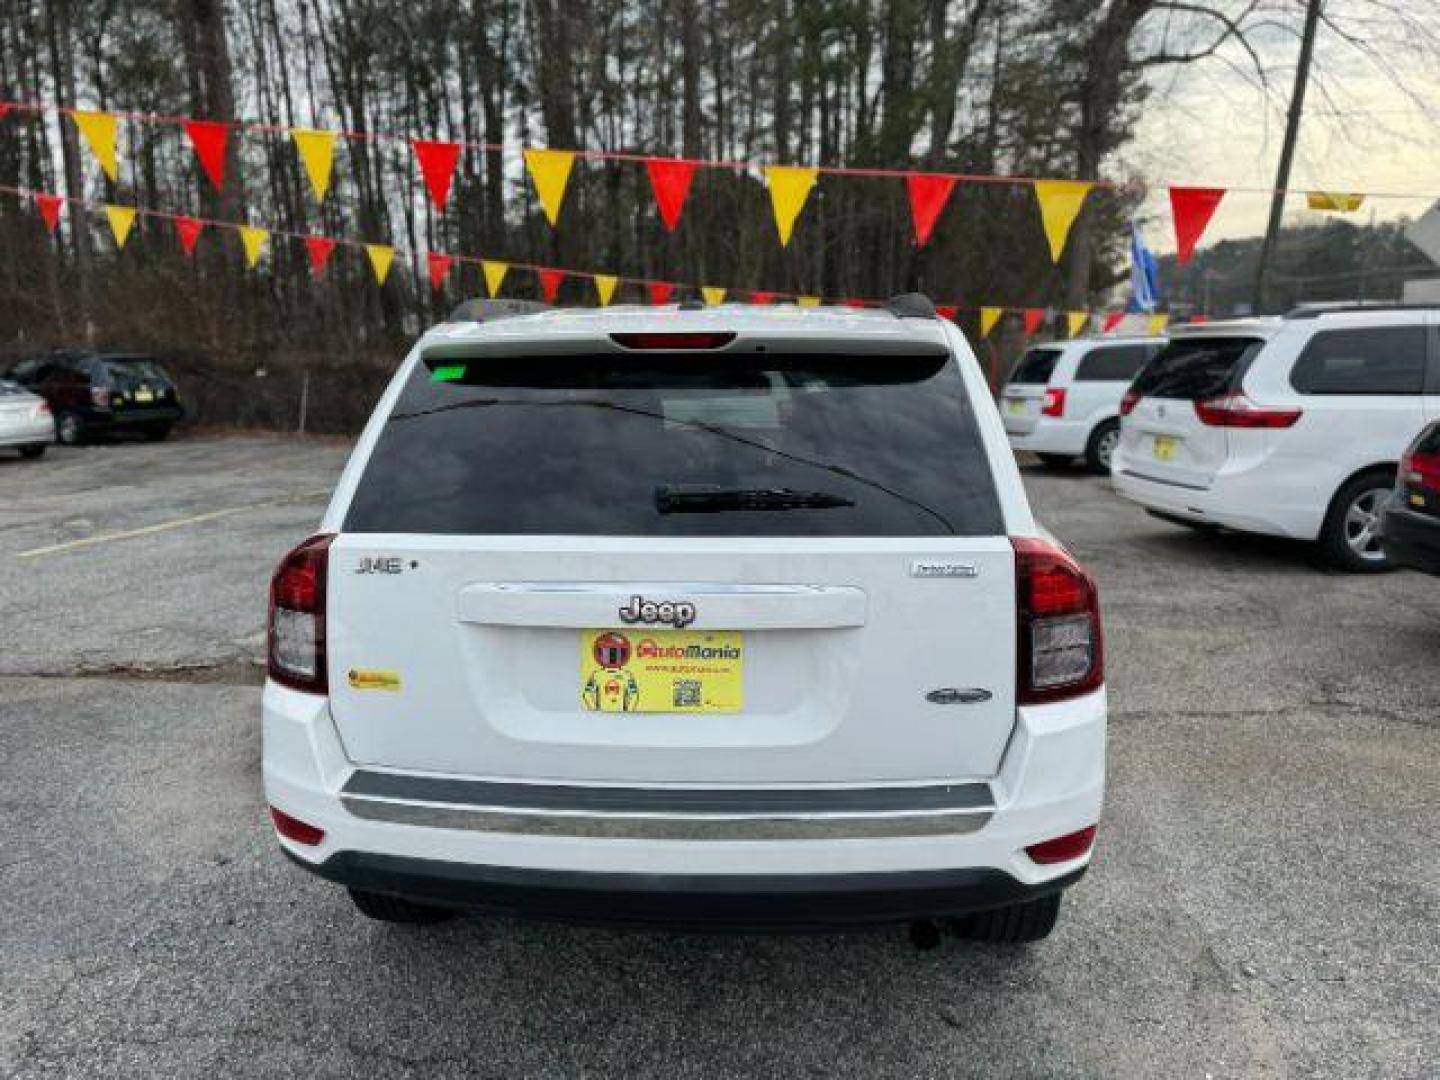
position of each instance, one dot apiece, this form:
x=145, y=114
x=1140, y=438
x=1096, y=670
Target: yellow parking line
x=163, y=526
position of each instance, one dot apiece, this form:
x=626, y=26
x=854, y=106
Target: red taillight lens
x=1235, y=410
x=295, y=829
x=1128, y=402
x=100, y=397
x=297, y=617
x=1420, y=470
x=1054, y=403
x=42, y=408
x=1061, y=651
x=704, y=340
x=1063, y=848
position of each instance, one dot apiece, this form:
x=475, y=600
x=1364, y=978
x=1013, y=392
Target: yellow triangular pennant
x=1343, y=201
x=1060, y=202
x=381, y=256
x=99, y=128
x=550, y=171
x=1075, y=321
x=121, y=220
x=713, y=294
x=494, y=275
x=789, y=188
x=317, y=153
x=1158, y=323
x=807, y=301
x=989, y=316
x=605, y=287
x=253, y=241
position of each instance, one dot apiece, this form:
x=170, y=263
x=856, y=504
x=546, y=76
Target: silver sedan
x=25, y=421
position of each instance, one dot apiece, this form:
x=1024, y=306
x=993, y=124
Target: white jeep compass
x=729, y=617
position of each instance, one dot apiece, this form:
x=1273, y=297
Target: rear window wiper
x=710, y=499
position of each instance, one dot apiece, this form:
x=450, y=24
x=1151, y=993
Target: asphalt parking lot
x=1266, y=900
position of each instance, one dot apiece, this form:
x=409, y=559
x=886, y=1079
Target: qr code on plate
x=687, y=693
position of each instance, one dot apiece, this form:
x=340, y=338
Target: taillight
x=297, y=617
x=294, y=829
x=42, y=408
x=1054, y=403
x=697, y=340
x=1235, y=410
x=1129, y=401
x=1061, y=652
x=1420, y=469
x=1063, y=848
x=100, y=397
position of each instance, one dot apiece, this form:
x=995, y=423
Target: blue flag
x=1144, y=274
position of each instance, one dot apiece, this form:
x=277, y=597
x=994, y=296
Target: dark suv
x=1410, y=523
x=102, y=392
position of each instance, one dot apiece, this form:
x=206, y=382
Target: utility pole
x=1287, y=151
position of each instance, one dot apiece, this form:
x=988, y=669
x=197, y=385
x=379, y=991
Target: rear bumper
x=1242, y=501
x=30, y=433
x=1052, y=436
x=1411, y=539
x=741, y=901
x=134, y=418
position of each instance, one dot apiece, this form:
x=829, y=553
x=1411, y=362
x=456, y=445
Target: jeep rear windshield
x=1196, y=368
x=681, y=445
x=1036, y=366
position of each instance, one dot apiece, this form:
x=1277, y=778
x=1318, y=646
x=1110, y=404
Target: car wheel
x=1350, y=537
x=1100, y=448
x=1013, y=925
x=30, y=453
x=394, y=909
x=1055, y=461
x=69, y=429
x=157, y=433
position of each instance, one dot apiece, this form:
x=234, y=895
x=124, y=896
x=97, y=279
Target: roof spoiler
x=483, y=311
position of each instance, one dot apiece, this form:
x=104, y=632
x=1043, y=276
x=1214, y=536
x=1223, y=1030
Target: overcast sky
x=1210, y=125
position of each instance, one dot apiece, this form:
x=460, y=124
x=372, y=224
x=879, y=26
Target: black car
x=1410, y=523
x=91, y=393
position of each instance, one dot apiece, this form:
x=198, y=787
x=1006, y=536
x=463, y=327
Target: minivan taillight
x=1061, y=651
x=297, y=617
x=1129, y=401
x=1054, y=403
x=1235, y=410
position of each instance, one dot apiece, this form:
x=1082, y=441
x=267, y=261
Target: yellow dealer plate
x=1015, y=406
x=1165, y=447
x=662, y=671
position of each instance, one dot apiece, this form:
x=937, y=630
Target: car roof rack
x=911, y=305
x=1317, y=310
x=483, y=311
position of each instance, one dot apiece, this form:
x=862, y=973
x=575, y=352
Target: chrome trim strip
x=1157, y=480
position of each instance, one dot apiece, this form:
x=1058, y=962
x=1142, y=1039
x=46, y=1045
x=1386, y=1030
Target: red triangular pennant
x=319, y=249
x=1032, y=318
x=438, y=265
x=856, y=304
x=660, y=292
x=437, y=166
x=1112, y=320
x=4, y=109
x=550, y=283
x=50, y=207
x=187, y=230
x=761, y=297
x=1192, y=208
x=947, y=311
x=928, y=195
x=209, y=139
x=670, y=180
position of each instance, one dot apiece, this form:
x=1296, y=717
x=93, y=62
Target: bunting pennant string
x=760, y=296
x=437, y=168
x=253, y=241
x=550, y=173
x=550, y=283
x=98, y=129
x=790, y=187
x=1112, y=320
x=989, y=316
x=317, y=154
x=714, y=295
x=947, y=311
x=381, y=257
x=807, y=301
x=122, y=219
x=670, y=181
x=1075, y=322
x=437, y=265
x=50, y=207
x=660, y=292
x=1060, y=203
x=1031, y=318
x=494, y=275
x=187, y=231
x=605, y=288
x=928, y=194
x=1158, y=323
x=318, y=248
x=1192, y=209
x=1341, y=201
x=209, y=140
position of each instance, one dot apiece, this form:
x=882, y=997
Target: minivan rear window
x=1036, y=366
x=1196, y=368
x=681, y=445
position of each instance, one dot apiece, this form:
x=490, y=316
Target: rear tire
x=1055, y=461
x=1014, y=925
x=1100, y=447
x=394, y=909
x=30, y=453
x=69, y=429
x=1349, y=538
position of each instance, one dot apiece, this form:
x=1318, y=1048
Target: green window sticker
x=449, y=373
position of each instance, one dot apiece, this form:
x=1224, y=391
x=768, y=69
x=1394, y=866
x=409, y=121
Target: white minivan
x=1063, y=398
x=1288, y=426
x=720, y=616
